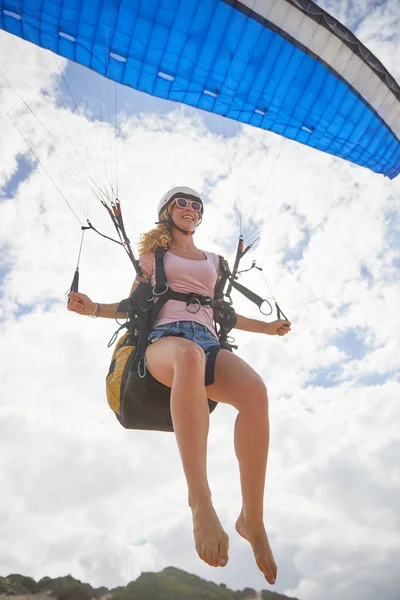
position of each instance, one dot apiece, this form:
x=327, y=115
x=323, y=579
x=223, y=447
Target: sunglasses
x=183, y=203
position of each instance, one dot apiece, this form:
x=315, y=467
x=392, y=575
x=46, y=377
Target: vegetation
x=169, y=584
x=27, y=583
x=75, y=591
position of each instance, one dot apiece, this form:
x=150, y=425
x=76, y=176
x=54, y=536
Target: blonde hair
x=159, y=237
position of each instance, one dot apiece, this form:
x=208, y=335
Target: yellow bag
x=120, y=363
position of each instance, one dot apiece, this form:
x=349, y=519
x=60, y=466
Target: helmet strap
x=170, y=221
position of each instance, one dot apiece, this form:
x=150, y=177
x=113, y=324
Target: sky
x=81, y=495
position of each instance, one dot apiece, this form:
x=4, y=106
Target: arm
x=83, y=305
x=279, y=327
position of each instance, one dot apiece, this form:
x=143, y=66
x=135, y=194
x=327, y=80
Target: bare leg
x=251, y=447
x=184, y=373
x=237, y=384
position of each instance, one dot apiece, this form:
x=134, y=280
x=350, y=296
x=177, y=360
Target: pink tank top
x=185, y=275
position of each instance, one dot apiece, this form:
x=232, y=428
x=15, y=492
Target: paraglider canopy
x=283, y=65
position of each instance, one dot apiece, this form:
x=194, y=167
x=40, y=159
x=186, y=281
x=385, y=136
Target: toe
x=223, y=554
x=271, y=576
x=201, y=553
x=267, y=570
x=215, y=559
x=208, y=556
x=213, y=554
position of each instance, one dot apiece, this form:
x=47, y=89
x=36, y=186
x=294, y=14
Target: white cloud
x=105, y=504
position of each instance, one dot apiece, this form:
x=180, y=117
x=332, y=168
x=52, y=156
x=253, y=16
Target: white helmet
x=176, y=192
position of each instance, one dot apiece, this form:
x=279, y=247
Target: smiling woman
x=173, y=366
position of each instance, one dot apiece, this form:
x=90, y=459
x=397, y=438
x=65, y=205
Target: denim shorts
x=199, y=334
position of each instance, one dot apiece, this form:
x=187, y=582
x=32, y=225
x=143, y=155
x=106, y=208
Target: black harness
x=146, y=302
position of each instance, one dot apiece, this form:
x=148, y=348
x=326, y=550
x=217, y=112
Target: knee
x=260, y=389
x=189, y=357
x=255, y=393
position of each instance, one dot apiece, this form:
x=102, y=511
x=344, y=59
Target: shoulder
x=146, y=261
x=147, y=256
x=211, y=255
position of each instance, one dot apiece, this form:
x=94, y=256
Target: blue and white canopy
x=282, y=65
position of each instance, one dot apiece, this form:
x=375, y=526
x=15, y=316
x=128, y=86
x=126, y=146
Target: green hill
x=169, y=584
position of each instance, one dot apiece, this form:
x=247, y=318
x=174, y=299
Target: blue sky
x=25, y=166
x=333, y=261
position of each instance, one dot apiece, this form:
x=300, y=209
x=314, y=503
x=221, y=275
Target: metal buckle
x=197, y=306
x=162, y=293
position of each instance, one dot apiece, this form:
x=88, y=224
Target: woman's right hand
x=80, y=303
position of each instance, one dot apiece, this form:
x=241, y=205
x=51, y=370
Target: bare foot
x=257, y=536
x=211, y=541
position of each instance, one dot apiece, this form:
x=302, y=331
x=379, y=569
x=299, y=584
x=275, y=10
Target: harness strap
x=225, y=320
x=225, y=274
x=123, y=306
x=190, y=299
x=161, y=280
x=141, y=307
x=247, y=293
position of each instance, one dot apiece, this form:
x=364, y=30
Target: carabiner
x=142, y=370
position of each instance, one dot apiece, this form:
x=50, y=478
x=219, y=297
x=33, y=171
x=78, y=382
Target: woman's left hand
x=279, y=327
